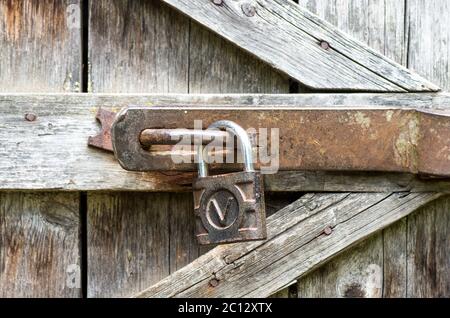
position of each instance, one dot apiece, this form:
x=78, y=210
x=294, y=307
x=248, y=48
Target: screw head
x=248, y=9
x=214, y=282
x=324, y=45
x=328, y=230
x=30, y=117
x=217, y=2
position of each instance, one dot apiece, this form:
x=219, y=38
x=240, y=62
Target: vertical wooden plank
x=158, y=51
x=40, y=51
x=136, y=47
x=380, y=24
x=428, y=230
x=394, y=260
x=357, y=273
x=39, y=239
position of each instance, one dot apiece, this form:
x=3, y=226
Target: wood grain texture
x=357, y=273
x=296, y=244
x=51, y=153
x=146, y=49
x=40, y=48
x=428, y=230
x=39, y=239
x=40, y=51
x=274, y=30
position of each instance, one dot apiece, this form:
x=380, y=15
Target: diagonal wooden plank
x=301, y=236
x=298, y=43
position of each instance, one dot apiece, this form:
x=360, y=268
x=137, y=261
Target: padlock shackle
x=246, y=146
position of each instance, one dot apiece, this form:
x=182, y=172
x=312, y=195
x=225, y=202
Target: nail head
x=248, y=9
x=30, y=117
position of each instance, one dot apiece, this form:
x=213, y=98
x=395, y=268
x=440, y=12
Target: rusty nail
x=328, y=230
x=248, y=9
x=217, y=2
x=213, y=282
x=324, y=45
x=30, y=117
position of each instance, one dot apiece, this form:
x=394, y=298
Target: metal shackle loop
x=246, y=146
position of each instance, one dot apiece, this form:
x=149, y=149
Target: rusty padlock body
x=229, y=207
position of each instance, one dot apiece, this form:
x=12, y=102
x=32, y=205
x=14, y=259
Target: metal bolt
x=328, y=230
x=213, y=282
x=248, y=9
x=217, y=2
x=324, y=45
x=30, y=117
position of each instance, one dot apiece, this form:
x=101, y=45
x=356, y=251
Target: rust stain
x=363, y=140
x=34, y=19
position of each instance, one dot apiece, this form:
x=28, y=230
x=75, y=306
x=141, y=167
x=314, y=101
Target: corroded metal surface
x=229, y=208
x=396, y=140
x=103, y=139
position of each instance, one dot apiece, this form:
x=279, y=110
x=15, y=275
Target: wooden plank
x=279, y=28
x=54, y=145
x=300, y=237
x=142, y=236
x=428, y=269
x=428, y=230
x=40, y=46
x=356, y=273
x=39, y=239
x=40, y=51
x=380, y=25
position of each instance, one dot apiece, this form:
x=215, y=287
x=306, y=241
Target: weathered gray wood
x=275, y=30
x=146, y=45
x=51, y=153
x=394, y=260
x=356, y=273
x=40, y=47
x=428, y=230
x=40, y=51
x=380, y=25
x=39, y=239
x=428, y=260
x=416, y=36
x=297, y=243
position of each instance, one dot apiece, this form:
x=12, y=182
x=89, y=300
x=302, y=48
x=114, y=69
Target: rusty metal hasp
x=336, y=139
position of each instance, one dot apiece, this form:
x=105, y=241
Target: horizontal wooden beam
x=301, y=237
x=300, y=44
x=49, y=152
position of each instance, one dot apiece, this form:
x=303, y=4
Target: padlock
x=229, y=207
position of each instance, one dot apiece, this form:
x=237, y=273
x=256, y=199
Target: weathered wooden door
x=118, y=243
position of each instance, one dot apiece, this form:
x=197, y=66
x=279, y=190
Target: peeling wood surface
x=298, y=241
x=274, y=30
x=55, y=144
x=40, y=51
x=148, y=236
